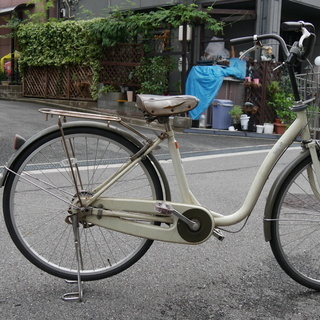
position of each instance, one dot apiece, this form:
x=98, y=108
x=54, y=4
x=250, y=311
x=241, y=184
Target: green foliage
x=281, y=100
x=81, y=42
x=154, y=74
x=3, y=76
x=128, y=26
x=57, y=43
x=40, y=15
x=236, y=113
x=108, y=88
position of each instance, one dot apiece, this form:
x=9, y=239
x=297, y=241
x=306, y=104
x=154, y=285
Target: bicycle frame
x=122, y=214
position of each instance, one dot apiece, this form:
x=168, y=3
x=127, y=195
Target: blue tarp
x=204, y=82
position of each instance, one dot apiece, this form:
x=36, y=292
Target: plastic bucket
x=244, y=119
x=259, y=128
x=268, y=128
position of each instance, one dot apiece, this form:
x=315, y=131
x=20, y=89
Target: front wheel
x=295, y=226
x=37, y=199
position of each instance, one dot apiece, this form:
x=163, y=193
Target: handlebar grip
x=292, y=25
x=297, y=25
x=241, y=40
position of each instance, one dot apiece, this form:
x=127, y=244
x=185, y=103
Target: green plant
x=131, y=26
x=236, y=113
x=60, y=44
x=281, y=100
x=108, y=88
x=3, y=76
x=78, y=42
x=154, y=74
x=41, y=13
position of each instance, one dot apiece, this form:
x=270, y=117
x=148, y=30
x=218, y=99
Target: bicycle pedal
x=164, y=208
x=218, y=234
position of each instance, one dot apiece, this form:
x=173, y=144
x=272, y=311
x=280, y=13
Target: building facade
x=19, y=9
x=242, y=17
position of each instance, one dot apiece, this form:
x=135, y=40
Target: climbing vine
x=123, y=26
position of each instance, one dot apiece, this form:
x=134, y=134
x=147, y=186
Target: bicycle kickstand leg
x=76, y=295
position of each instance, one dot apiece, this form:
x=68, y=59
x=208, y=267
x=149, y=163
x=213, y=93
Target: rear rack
x=75, y=114
x=91, y=116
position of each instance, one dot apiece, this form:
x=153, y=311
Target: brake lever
x=257, y=46
x=305, y=34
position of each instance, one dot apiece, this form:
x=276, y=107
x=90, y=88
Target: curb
x=153, y=125
x=245, y=134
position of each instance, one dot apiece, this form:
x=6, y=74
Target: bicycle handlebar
x=307, y=37
x=255, y=38
x=299, y=51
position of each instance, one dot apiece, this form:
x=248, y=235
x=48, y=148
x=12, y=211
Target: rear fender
x=93, y=124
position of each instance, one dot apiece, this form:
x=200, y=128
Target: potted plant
x=153, y=74
x=281, y=100
x=110, y=93
x=236, y=113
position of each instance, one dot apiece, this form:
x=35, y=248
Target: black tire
x=295, y=226
x=36, y=202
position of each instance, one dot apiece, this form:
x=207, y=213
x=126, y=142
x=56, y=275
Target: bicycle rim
x=36, y=202
x=295, y=226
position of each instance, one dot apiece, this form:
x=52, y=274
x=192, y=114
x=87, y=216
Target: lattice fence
x=68, y=82
x=119, y=64
x=74, y=82
x=257, y=94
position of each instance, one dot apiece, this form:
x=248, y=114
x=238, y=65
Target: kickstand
x=76, y=295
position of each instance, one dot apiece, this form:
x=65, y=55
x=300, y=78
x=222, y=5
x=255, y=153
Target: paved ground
x=237, y=279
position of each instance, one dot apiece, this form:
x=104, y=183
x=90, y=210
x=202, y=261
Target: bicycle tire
x=35, y=213
x=295, y=226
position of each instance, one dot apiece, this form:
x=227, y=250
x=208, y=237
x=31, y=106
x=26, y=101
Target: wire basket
x=309, y=87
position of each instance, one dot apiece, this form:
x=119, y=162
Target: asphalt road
x=237, y=279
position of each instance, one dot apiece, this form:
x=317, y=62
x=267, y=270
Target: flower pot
x=259, y=128
x=112, y=96
x=280, y=128
x=268, y=128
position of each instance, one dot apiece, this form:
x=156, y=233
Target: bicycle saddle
x=166, y=105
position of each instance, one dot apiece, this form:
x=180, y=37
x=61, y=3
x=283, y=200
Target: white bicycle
x=84, y=200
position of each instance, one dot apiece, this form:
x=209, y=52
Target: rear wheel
x=295, y=226
x=37, y=198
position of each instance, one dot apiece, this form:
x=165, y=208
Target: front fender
x=93, y=124
x=274, y=192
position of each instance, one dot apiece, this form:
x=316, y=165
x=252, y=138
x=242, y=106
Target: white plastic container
x=244, y=119
x=202, y=121
x=268, y=128
x=259, y=128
